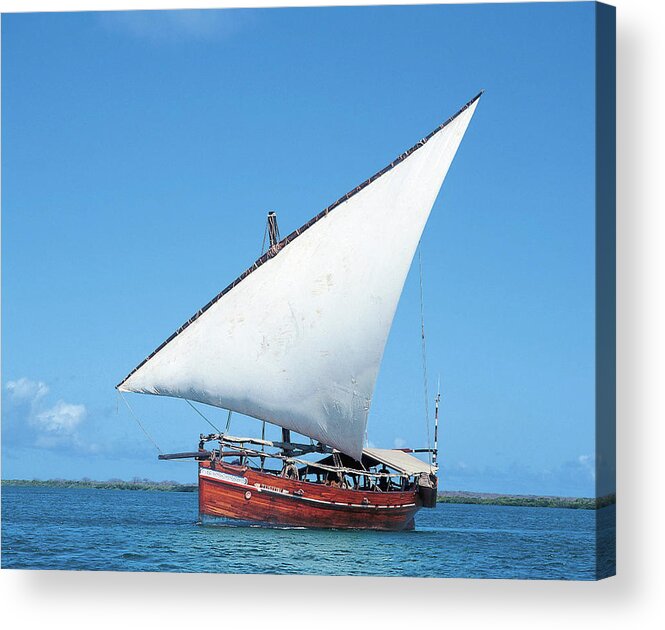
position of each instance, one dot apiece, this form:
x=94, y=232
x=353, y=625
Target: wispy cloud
x=29, y=420
x=588, y=463
x=174, y=25
x=61, y=418
x=24, y=389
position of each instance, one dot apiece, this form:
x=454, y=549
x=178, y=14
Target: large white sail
x=298, y=339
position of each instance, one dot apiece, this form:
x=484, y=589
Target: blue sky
x=141, y=152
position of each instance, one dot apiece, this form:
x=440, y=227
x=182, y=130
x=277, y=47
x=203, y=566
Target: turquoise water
x=120, y=530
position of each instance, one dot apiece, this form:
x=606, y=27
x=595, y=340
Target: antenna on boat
x=436, y=421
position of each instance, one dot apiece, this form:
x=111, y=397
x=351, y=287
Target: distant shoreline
x=520, y=500
x=111, y=484
x=449, y=496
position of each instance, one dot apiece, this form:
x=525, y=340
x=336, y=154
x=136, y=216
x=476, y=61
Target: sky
x=141, y=152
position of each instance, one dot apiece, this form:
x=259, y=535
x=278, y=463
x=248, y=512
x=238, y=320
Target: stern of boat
x=427, y=489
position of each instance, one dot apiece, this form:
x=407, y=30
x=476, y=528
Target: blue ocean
x=122, y=530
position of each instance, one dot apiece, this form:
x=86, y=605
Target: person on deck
x=384, y=482
x=332, y=480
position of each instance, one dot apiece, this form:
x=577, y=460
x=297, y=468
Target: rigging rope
x=139, y=423
x=424, y=352
x=263, y=245
x=201, y=414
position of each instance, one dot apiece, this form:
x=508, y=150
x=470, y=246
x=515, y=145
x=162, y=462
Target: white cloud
x=25, y=390
x=399, y=442
x=61, y=418
x=174, y=25
x=29, y=420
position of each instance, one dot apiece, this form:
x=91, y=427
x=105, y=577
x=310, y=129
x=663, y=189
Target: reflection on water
x=55, y=528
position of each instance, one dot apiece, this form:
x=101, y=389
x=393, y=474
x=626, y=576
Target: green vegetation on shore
x=576, y=503
x=111, y=484
x=444, y=497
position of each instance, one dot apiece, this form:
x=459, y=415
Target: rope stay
x=131, y=411
x=263, y=244
x=424, y=350
x=263, y=446
x=201, y=414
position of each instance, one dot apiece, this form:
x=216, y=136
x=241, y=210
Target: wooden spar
x=247, y=452
x=223, y=437
x=200, y=455
x=284, y=446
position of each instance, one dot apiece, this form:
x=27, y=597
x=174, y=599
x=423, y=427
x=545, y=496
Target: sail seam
x=272, y=252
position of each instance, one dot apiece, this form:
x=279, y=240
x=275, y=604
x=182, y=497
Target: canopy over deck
x=399, y=460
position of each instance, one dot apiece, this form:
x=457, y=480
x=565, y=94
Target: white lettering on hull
x=215, y=474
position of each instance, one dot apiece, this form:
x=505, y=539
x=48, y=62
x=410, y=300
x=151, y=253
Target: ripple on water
x=157, y=531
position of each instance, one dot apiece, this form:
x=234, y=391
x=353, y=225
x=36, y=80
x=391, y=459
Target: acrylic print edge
x=605, y=359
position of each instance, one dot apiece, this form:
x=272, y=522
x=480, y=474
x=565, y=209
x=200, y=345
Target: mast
x=273, y=235
x=436, y=427
x=273, y=230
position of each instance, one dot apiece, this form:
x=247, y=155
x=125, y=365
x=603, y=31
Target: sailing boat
x=296, y=341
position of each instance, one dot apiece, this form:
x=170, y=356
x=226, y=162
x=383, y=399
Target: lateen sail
x=298, y=339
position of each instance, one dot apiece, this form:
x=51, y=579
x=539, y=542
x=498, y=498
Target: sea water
x=123, y=530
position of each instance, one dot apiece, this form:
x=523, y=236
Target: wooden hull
x=242, y=493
